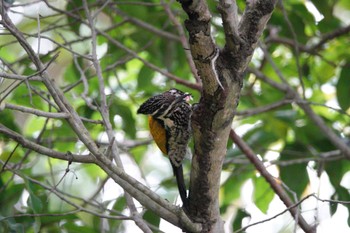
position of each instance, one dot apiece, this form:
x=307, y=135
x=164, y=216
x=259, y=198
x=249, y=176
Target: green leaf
x=45, y=221
x=118, y=206
x=72, y=227
x=310, y=134
x=124, y=111
x=152, y=218
x=343, y=88
x=327, y=25
x=35, y=125
x=323, y=72
x=333, y=206
x=72, y=7
x=237, y=222
x=344, y=3
x=9, y=197
x=232, y=187
x=71, y=73
x=336, y=170
x=324, y=7
x=263, y=194
x=341, y=194
x=295, y=175
x=8, y=120
x=260, y=137
x=144, y=79
x=37, y=224
x=34, y=201
x=10, y=225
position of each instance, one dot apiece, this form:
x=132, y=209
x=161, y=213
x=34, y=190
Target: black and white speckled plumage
x=173, y=111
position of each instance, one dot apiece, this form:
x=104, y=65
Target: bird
x=169, y=118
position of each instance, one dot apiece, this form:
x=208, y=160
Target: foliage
x=142, y=51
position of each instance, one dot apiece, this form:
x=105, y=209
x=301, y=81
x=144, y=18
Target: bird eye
x=175, y=92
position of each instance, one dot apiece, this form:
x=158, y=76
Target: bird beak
x=187, y=97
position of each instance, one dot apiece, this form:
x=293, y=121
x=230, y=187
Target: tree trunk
x=221, y=73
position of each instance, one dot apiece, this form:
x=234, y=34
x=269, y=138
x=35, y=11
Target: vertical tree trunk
x=221, y=73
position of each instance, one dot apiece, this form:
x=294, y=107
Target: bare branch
x=263, y=77
x=178, y=80
x=147, y=26
x=251, y=26
x=20, y=77
x=330, y=36
x=255, y=111
x=272, y=63
x=229, y=15
x=296, y=48
x=202, y=44
x=84, y=80
x=321, y=124
x=36, y=112
x=41, y=149
x=288, y=209
x=150, y=65
x=132, y=186
x=59, y=195
x=105, y=115
x=183, y=40
x=292, y=94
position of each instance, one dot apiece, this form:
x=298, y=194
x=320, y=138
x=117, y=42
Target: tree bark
x=221, y=72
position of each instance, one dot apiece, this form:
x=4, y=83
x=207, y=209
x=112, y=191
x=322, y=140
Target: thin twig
x=296, y=48
x=271, y=180
x=41, y=149
x=183, y=40
x=37, y=112
x=105, y=116
x=243, y=229
x=9, y=157
x=292, y=94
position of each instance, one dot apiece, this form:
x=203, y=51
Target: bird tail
x=178, y=172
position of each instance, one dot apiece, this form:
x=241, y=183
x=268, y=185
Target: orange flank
x=158, y=133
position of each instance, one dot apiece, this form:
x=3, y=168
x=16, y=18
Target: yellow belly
x=158, y=134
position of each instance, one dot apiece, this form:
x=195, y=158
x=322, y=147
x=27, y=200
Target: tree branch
x=212, y=116
x=171, y=76
x=144, y=195
x=77, y=207
x=330, y=36
x=202, y=45
x=43, y=150
x=150, y=65
x=37, y=112
x=229, y=15
x=104, y=110
x=149, y=27
x=293, y=94
x=271, y=180
x=251, y=26
x=20, y=77
x=183, y=40
x=296, y=48
x=262, y=109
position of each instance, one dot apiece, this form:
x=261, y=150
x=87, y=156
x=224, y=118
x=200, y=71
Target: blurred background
x=143, y=50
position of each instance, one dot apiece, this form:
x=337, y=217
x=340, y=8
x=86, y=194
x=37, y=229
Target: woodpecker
x=169, y=116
